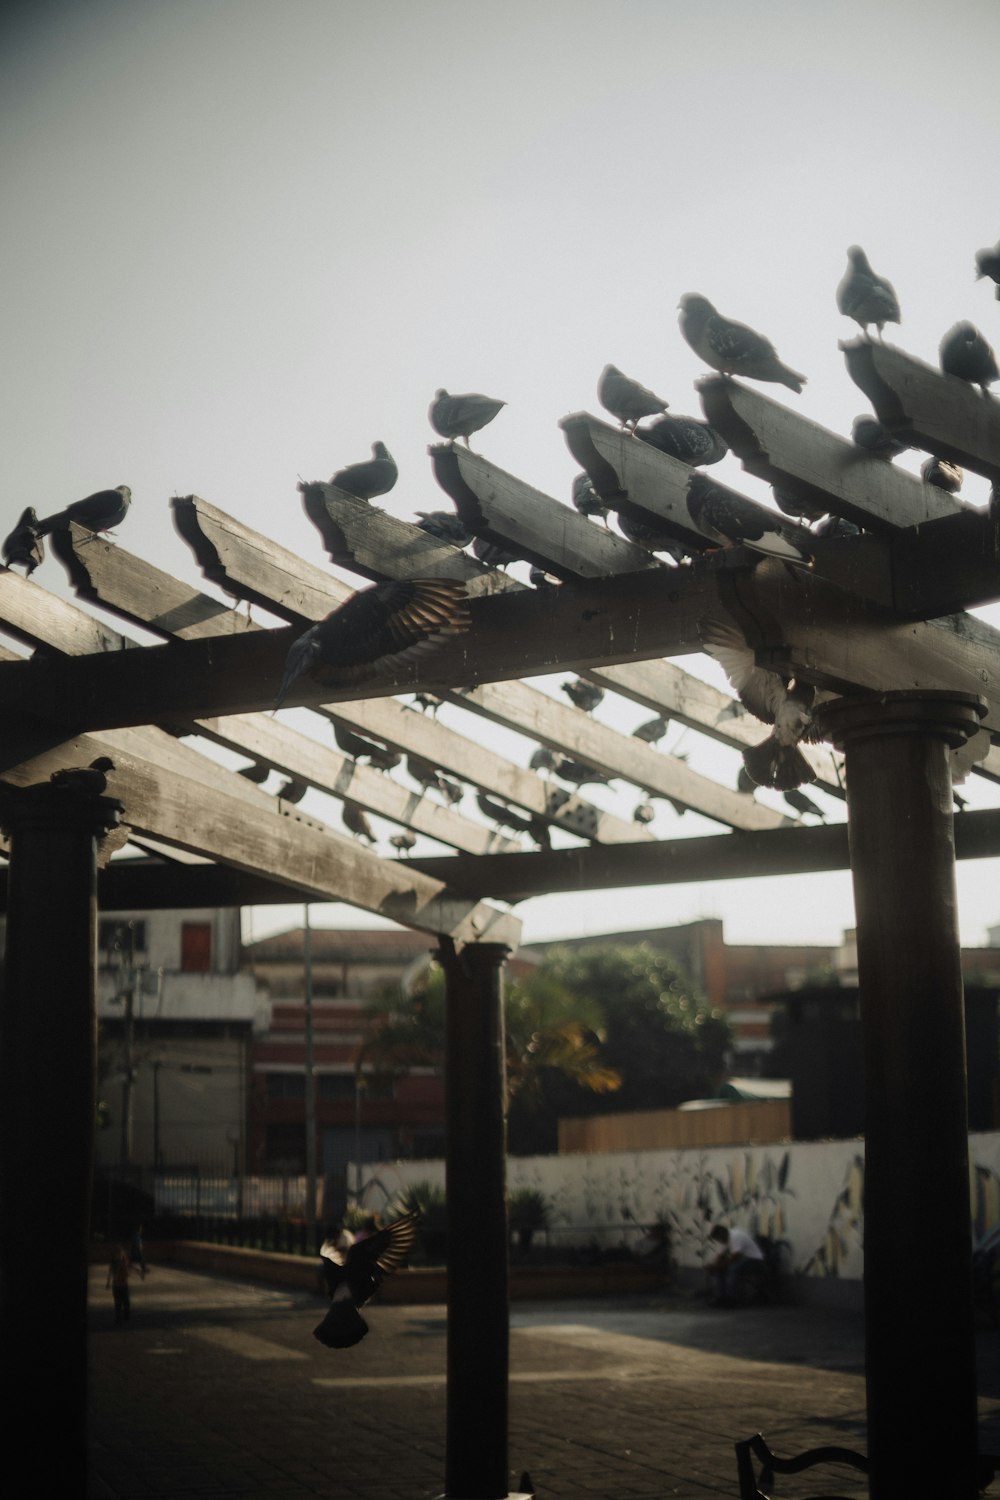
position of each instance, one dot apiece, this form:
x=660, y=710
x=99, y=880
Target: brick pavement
x=217, y=1389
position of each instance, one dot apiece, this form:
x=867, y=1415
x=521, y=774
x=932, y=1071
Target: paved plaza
x=217, y=1388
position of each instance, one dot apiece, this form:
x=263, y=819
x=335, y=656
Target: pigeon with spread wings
x=786, y=703
x=354, y=1275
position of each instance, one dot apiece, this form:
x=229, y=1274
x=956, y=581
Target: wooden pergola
x=876, y=618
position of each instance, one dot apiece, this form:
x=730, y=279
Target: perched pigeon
x=836, y=526
x=626, y=399
x=255, y=772
x=988, y=264
x=586, y=499
x=965, y=353
x=356, y=822
x=732, y=348
x=451, y=791
x=655, y=539
x=644, y=813
x=353, y=744
x=292, y=790
x=729, y=518
x=788, y=705
x=576, y=771
x=493, y=555
x=445, y=526
x=686, y=439
x=865, y=297
x=542, y=759
x=585, y=695
x=652, y=731
x=460, y=416
x=98, y=512
x=388, y=623
x=506, y=817
x=92, y=779
x=24, y=547
x=803, y=805
x=426, y=774
x=373, y=476
x=868, y=433
x=943, y=474
x=354, y=1275
x=404, y=842
x=792, y=504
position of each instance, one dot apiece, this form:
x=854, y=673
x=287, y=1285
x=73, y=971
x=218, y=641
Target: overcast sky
x=243, y=239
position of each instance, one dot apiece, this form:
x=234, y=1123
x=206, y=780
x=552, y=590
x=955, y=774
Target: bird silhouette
x=585, y=695
x=292, y=790
x=729, y=518
x=865, y=297
x=732, y=348
x=578, y=772
x=965, y=352
x=988, y=264
x=687, y=439
x=444, y=526
x=460, y=416
x=257, y=772
x=654, y=538
x=868, y=433
x=427, y=703
x=389, y=623
x=354, y=1275
x=943, y=474
x=352, y=744
x=745, y=782
x=653, y=730
x=586, y=500
x=98, y=512
x=506, y=817
x=356, y=821
x=372, y=476
x=626, y=399
x=404, y=842
x=792, y=503
x=542, y=759
x=24, y=547
x=803, y=805
x=92, y=779
x=493, y=555
x=784, y=702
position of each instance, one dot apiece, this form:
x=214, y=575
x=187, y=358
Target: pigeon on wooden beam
x=492, y=554
x=460, y=416
x=732, y=520
x=256, y=772
x=578, y=772
x=542, y=760
x=626, y=399
x=791, y=504
x=686, y=439
x=444, y=527
x=836, y=526
x=865, y=297
x=356, y=822
x=654, y=538
x=869, y=434
x=360, y=748
x=451, y=791
x=292, y=790
x=24, y=547
x=644, y=813
x=586, y=500
x=652, y=731
x=988, y=264
x=403, y=842
x=965, y=352
x=784, y=702
x=943, y=474
x=732, y=348
x=98, y=512
x=506, y=817
x=353, y=1275
x=387, y=624
x=92, y=779
x=585, y=695
x=369, y=478
x=803, y=805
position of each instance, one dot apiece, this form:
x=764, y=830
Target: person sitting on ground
x=738, y=1251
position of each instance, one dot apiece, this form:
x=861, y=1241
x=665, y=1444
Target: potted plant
x=527, y=1210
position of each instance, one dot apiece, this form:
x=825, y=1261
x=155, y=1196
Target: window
x=196, y=947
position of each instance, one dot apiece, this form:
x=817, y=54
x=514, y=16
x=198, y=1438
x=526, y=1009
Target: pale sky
x=243, y=239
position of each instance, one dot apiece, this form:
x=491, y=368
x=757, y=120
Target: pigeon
x=426, y=774
x=24, y=547
x=626, y=399
x=92, y=779
x=988, y=264
x=292, y=790
x=745, y=782
x=427, y=703
x=586, y=500
x=542, y=760
x=353, y=1276
x=585, y=695
x=387, y=623
x=460, y=416
x=965, y=353
x=865, y=297
x=576, y=771
x=404, y=842
x=539, y=579
x=355, y=745
x=356, y=822
x=687, y=439
x=255, y=772
x=803, y=805
x=787, y=704
x=836, y=527
x=653, y=538
x=373, y=476
x=732, y=348
x=444, y=526
x=644, y=813
x=791, y=504
x=943, y=474
x=506, y=817
x=653, y=730
x=868, y=433
x=98, y=512
x=493, y=555
x=451, y=791
x=730, y=519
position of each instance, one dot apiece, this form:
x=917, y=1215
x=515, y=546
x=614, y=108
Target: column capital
x=953, y=717
x=47, y=807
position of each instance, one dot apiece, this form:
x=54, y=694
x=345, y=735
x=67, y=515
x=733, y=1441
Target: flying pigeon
x=24, y=547
x=404, y=842
x=687, y=439
x=787, y=704
x=732, y=348
x=988, y=264
x=387, y=623
x=586, y=500
x=356, y=822
x=98, y=512
x=865, y=297
x=730, y=519
x=626, y=399
x=803, y=805
x=943, y=474
x=493, y=555
x=373, y=476
x=644, y=813
x=585, y=695
x=92, y=779
x=444, y=526
x=354, y=1275
x=460, y=416
x=652, y=731
x=965, y=353
x=868, y=433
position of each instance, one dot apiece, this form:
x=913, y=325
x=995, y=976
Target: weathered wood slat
x=934, y=411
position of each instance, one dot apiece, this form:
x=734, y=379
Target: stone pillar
x=475, y=1074
x=48, y=1030
x=920, y=1355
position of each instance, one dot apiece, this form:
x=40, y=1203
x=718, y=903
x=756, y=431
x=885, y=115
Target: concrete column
x=48, y=1030
x=920, y=1337
x=475, y=1071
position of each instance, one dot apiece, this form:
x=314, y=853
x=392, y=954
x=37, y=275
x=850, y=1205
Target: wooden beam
x=934, y=411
